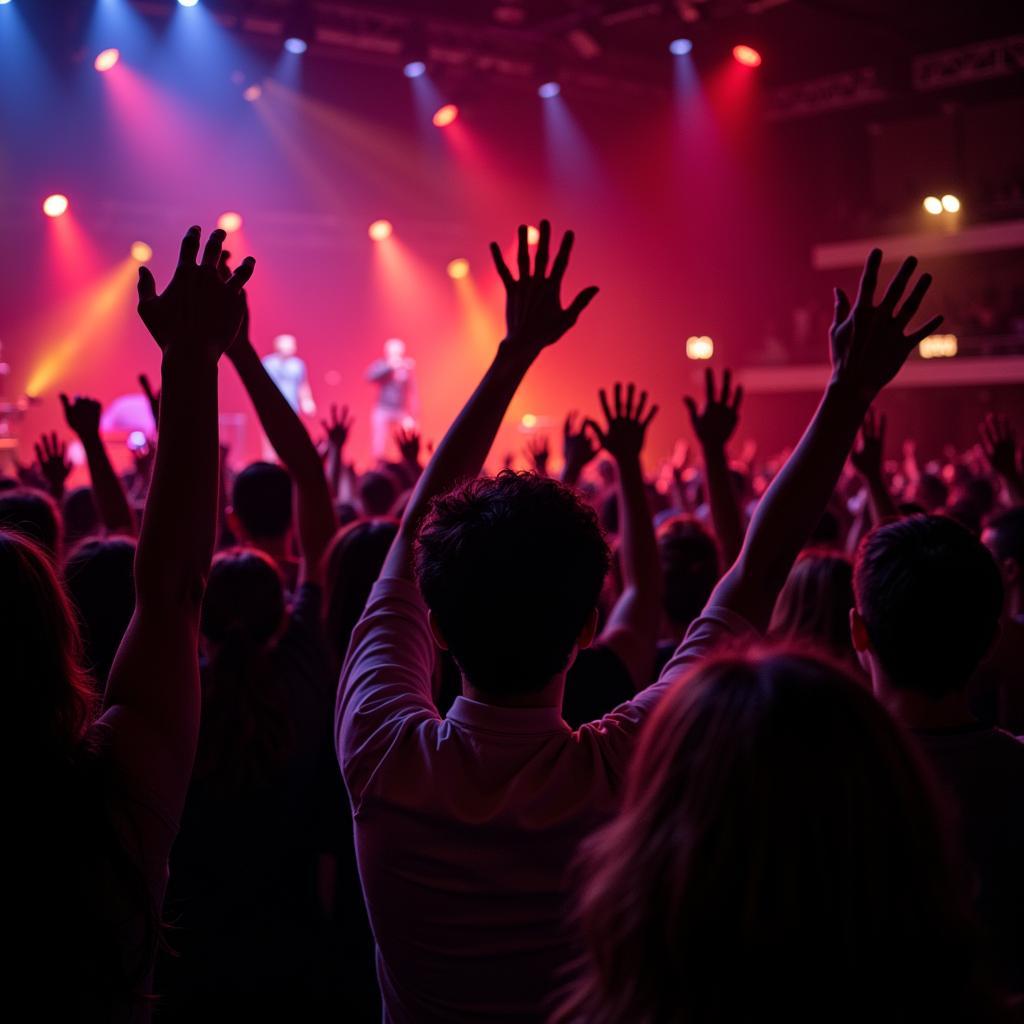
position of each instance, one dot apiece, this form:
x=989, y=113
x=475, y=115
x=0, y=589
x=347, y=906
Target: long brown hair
x=778, y=855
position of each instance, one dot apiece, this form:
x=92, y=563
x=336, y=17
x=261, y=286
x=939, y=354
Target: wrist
x=512, y=357
x=843, y=394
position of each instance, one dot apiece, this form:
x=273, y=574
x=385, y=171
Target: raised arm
x=534, y=319
x=577, y=448
x=866, y=459
x=999, y=442
x=314, y=507
x=54, y=467
x=632, y=627
x=152, y=697
x=337, y=429
x=83, y=417
x=714, y=425
x=868, y=348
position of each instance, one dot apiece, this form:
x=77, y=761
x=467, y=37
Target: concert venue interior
x=512, y=511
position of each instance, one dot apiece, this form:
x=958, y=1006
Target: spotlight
x=933, y=205
x=701, y=347
x=746, y=55
x=293, y=44
x=55, y=205
x=444, y=116
x=106, y=59
x=251, y=93
x=549, y=90
x=458, y=269
x=379, y=230
x=414, y=69
x=141, y=252
x=938, y=346
x=680, y=47
x=950, y=203
x=2, y=2
x=229, y=222
x=529, y=421
x=532, y=235
x=187, y=3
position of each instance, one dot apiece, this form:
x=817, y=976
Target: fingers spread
x=211, y=254
x=189, y=247
x=499, y=264
x=869, y=278
x=562, y=259
x=523, y=253
x=898, y=285
x=147, y=285
x=580, y=303
x=914, y=300
x=543, y=248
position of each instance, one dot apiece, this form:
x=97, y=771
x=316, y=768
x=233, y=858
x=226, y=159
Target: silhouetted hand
x=82, y=415
x=539, y=452
x=153, y=397
x=577, y=447
x=715, y=424
x=337, y=427
x=533, y=308
x=143, y=459
x=408, y=442
x=198, y=312
x=868, y=341
x=626, y=426
x=54, y=467
x=866, y=458
x=999, y=443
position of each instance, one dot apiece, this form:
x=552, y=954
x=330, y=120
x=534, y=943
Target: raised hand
x=82, y=415
x=533, y=308
x=578, y=448
x=538, y=451
x=54, y=466
x=999, y=443
x=337, y=427
x=626, y=426
x=153, y=397
x=868, y=342
x=408, y=441
x=866, y=458
x=715, y=424
x=198, y=312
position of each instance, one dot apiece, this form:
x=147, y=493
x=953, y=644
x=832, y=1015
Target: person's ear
x=589, y=630
x=435, y=629
x=859, y=632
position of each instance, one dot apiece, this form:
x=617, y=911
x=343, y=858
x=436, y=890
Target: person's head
x=689, y=566
x=394, y=350
x=511, y=569
x=928, y=599
x=47, y=691
x=33, y=514
x=1004, y=537
x=81, y=518
x=285, y=345
x=100, y=578
x=245, y=726
x=353, y=563
x=778, y=850
x=377, y=493
x=261, y=504
x=930, y=491
x=814, y=605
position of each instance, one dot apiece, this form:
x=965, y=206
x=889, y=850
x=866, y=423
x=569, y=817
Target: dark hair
x=930, y=596
x=244, y=733
x=377, y=493
x=33, y=514
x=511, y=567
x=81, y=517
x=778, y=854
x=353, y=563
x=689, y=565
x=1007, y=531
x=814, y=605
x=100, y=577
x=262, y=500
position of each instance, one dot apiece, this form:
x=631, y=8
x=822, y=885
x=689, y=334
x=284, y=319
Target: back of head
x=353, y=564
x=262, y=501
x=46, y=691
x=244, y=725
x=511, y=568
x=81, y=518
x=814, y=605
x=100, y=577
x=778, y=851
x=690, y=568
x=33, y=514
x=930, y=596
x=377, y=493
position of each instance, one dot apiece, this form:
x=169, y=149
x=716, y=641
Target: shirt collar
x=474, y=714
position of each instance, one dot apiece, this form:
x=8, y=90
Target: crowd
x=734, y=741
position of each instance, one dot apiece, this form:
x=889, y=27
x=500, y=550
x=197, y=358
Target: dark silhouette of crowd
x=734, y=740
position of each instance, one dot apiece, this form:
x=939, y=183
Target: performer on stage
x=396, y=397
x=288, y=372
